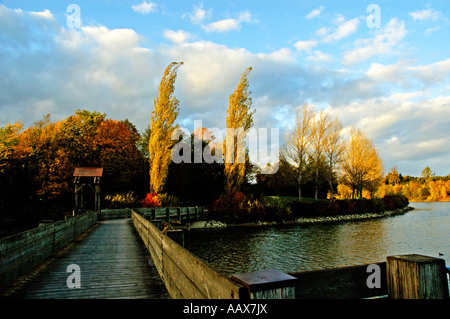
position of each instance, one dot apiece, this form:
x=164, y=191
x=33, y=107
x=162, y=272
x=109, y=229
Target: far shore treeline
x=317, y=163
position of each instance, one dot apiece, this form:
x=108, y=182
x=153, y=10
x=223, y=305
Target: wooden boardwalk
x=113, y=262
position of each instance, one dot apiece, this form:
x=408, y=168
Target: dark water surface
x=425, y=230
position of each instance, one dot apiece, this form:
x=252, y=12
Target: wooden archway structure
x=87, y=177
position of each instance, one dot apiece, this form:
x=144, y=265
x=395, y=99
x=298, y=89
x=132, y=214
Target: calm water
x=425, y=230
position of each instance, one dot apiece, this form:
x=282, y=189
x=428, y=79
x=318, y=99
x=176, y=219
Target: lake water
x=425, y=230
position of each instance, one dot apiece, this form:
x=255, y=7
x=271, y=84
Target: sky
x=383, y=66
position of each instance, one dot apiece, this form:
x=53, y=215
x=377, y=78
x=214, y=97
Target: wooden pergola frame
x=81, y=174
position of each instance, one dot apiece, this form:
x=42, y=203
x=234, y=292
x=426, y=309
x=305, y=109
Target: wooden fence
x=22, y=252
x=339, y=283
x=161, y=213
x=184, y=275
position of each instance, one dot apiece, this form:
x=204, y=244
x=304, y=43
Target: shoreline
x=308, y=220
x=430, y=201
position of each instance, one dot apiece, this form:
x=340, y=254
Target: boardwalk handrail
x=184, y=275
x=163, y=213
x=22, y=252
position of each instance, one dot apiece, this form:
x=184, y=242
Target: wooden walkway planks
x=113, y=263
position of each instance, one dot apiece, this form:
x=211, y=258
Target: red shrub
x=152, y=200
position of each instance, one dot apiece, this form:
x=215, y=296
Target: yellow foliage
x=161, y=128
x=238, y=121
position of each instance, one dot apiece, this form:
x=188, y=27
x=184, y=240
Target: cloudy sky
x=383, y=66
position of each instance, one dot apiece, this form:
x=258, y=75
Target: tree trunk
x=300, y=186
x=317, y=179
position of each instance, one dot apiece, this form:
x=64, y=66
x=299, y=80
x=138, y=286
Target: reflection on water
x=424, y=230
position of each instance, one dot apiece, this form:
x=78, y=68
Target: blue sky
x=390, y=78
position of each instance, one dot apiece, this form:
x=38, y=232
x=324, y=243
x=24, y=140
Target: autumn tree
x=298, y=140
x=375, y=172
x=427, y=173
x=239, y=120
x=116, y=145
x=161, y=128
x=38, y=169
x=393, y=176
x=318, y=140
x=333, y=151
x=361, y=165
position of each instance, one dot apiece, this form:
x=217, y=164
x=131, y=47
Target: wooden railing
x=162, y=213
x=184, y=275
x=21, y=252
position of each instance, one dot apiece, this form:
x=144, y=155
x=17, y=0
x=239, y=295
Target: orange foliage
x=152, y=200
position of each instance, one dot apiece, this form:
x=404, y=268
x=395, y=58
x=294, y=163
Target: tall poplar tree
x=238, y=121
x=162, y=127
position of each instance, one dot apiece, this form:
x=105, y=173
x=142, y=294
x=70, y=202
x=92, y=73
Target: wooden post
x=167, y=215
x=196, y=213
x=153, y=213
x=267, y=284
x=179, y=213
x=416, y=277
x=97, y=198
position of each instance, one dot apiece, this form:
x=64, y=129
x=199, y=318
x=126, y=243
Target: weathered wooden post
x=179, y=213
x=416, y=277
x=167, y=215
x=203, y=211
x=267, y=284
x=97, y=194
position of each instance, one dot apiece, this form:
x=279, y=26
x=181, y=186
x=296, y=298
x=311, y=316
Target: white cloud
x=314, y=13
x=406, y=75
x=344, y=29
x=198, y=15
x=305, y=45
x=426, y=14
x=179, y=36
x=222, y=25
x=144, y=7
x=385, y=42
x=432, y=29
x=319, y=57
x=230, y=24
x=46, y=14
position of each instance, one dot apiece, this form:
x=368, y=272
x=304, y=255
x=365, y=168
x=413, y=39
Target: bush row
x=237, y=207
x=349, y=206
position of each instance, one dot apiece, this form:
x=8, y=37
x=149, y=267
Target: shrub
x=393, y=202
x=170, y=201
x=152, y=200
x=277, y=207
x=121, y=200
x=238, y=207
